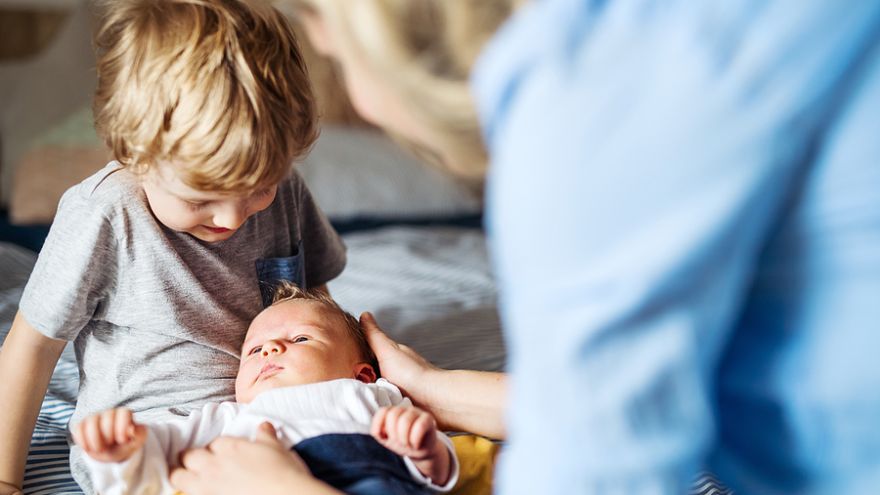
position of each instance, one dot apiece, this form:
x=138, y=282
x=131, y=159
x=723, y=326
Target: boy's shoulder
x=293, y=184
x=104, y=192
x=109, y=183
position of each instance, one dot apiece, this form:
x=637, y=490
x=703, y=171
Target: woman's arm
x=27, y=359
x=462, y=400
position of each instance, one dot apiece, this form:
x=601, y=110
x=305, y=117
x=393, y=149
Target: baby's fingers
x=422, y=430
x=123, y=425
x=92, y=439
x=76, y=431
x=107, y=425
x=377, y=428
x=404, y=425
x=138, y=436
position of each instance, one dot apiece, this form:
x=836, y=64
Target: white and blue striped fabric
x=430, y=288
x=48, y=470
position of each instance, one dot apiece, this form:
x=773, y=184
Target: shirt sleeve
x=323, y=249
x=148, y=469
x=636, y=181
x=75, y=272
x=453, y=468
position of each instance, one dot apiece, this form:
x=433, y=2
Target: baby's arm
x=111, y=436
x=411, y=432
x=27, y=359
x=114, y=445
x=127, y=457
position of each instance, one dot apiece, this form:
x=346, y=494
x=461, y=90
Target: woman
x=680, y=205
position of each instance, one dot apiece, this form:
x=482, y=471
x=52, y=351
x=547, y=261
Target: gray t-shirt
x=158, y=317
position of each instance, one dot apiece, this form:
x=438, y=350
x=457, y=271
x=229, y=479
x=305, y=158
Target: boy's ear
x=363, y=372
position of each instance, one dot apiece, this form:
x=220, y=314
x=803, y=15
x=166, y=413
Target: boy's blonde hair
x=217, y=86
x=424, y=51
x=287, y=291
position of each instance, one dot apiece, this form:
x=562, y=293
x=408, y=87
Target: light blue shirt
x=684, y=213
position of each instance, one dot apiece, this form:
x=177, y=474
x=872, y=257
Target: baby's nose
x=272, y=347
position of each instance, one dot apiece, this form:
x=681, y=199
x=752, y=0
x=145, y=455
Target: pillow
x=430, y=288
x=476, y=459
x=356, y=172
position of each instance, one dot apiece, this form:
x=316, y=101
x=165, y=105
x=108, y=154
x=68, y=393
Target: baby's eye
x=255, y=350
x=300, y=338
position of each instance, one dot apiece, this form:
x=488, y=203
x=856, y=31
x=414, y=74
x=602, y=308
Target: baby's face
x=294, y=343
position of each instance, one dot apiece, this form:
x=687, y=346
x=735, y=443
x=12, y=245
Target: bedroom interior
x=417, y=255
x=416, y=252
x=685, y=279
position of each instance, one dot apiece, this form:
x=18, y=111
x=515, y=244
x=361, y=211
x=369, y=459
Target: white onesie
x=297, y=413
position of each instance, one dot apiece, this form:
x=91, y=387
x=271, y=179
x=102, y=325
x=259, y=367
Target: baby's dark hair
x=287, y=291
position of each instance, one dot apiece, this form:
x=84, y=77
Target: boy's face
x=208, y=216
x=294, y=343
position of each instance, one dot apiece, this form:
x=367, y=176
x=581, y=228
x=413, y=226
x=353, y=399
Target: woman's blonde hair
x=217, y=86
x=424, y=51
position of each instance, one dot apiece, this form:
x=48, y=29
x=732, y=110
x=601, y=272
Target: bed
x=417, y=254
x=416, y=258
x=428, y=287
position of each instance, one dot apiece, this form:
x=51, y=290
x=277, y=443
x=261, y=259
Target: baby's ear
x=363, y=372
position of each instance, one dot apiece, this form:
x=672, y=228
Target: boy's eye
x=255, y=350
x=196, y=205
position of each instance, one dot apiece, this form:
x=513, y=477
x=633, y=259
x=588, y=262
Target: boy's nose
x=272, y=347
x=231, y=217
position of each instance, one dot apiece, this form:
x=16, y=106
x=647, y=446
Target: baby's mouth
x=269, y=369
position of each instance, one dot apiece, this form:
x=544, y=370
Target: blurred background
x=416, y=249
x=47, y=141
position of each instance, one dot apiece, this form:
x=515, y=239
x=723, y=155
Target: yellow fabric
x=476, y=457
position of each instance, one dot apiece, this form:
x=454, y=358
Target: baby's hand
x=407, y=431
x=111, y=436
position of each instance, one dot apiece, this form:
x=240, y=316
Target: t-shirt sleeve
x=454, y=468
x=75, y=271
x=323, y=249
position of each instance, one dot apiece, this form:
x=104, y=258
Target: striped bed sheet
x=48, y=470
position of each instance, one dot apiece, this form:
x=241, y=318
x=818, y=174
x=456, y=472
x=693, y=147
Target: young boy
x=307, y=369
x=154, y=266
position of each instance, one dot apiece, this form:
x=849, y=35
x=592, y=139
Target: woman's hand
x=237, y=465
x=398, y=363
x=461, y=400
